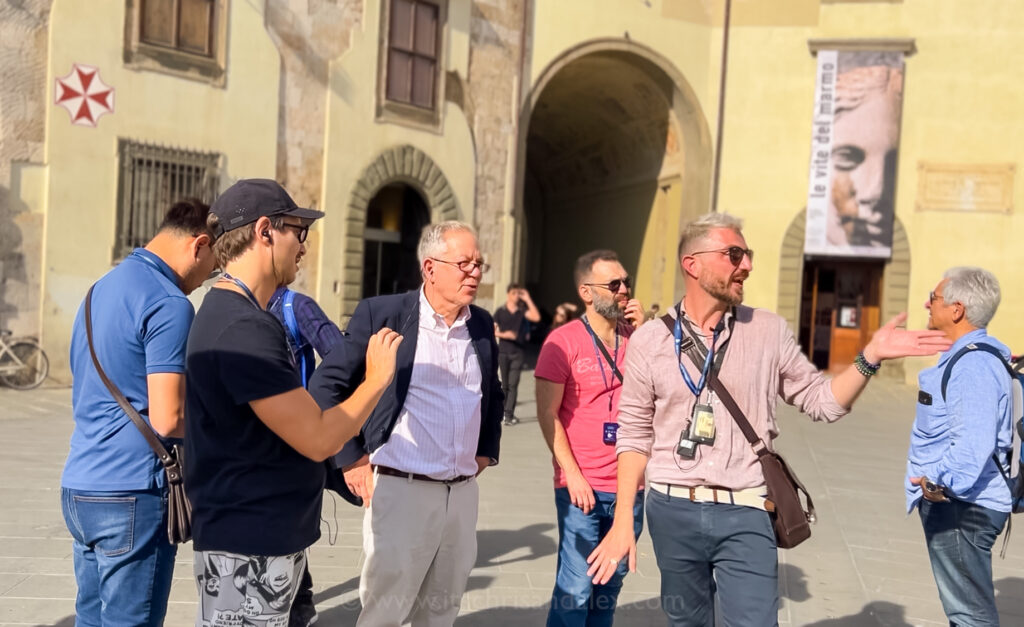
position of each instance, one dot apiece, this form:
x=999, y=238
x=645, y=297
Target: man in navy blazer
x=437, y=426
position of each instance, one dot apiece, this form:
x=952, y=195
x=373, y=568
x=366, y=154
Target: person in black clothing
x=255, y=440
x=508, y=328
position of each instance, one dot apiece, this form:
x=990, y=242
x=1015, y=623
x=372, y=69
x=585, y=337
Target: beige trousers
x=420, y=543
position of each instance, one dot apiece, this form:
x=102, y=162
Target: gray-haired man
x=960, y=439
x=436, y=428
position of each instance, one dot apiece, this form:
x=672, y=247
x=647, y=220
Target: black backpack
x=1012, y=472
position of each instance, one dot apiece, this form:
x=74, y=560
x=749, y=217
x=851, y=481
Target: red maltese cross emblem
x=84, y=95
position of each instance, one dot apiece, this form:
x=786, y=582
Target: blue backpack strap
x=291, y=324
x=988, y=348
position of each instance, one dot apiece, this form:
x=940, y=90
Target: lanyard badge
x=702, y=419
x=609, y=428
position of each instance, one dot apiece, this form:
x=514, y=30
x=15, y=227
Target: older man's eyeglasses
x=468, y=266
x=614, y=285
x=735, y=254
x=932, y=297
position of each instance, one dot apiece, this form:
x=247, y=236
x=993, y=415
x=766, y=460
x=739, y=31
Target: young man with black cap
x=255, y=439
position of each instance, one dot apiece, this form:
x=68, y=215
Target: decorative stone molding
x=905, y=45
x=401, y=164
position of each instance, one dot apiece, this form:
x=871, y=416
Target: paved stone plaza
x=865, y=565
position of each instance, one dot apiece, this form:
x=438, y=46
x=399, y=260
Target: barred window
x=152, y=178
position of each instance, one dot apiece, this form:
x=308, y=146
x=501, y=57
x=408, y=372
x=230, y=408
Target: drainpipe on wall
x=721, y=107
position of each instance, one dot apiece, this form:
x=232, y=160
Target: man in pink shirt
x=579, y=378
x=706, y=510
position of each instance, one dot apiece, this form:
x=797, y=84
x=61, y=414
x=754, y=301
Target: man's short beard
x=608, y=309
x=719, y=288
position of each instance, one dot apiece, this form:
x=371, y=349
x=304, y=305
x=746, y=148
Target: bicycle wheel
x=33, y=370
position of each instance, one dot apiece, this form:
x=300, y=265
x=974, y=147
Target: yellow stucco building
x=554, y=126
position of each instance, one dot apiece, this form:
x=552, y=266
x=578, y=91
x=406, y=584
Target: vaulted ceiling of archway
x=604, y=119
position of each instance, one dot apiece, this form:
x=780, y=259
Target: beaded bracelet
x=865, y=367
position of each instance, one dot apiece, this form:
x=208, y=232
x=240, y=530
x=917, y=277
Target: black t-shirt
x=251, y=492
x=509, y=321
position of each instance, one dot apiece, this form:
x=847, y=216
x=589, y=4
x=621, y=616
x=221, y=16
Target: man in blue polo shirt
x=113, y=489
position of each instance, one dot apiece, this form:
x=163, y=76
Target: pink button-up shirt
x=762, y=363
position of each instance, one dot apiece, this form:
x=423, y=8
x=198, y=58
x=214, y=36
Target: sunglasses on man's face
x=301, y=230
x=735, y=254
x=614, y=285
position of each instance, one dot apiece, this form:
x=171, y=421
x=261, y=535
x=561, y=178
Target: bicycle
x=23, y=364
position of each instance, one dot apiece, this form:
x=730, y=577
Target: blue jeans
x=123, y=560
x=960, y=536
x=576, y=600
x=708, y=548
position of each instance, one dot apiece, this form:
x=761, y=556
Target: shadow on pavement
x=880, y=613
x=793, y=583
x=1010, y=600
x=67, y=621
x=641, y=614
x=493, y=544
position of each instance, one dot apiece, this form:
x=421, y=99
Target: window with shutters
x=152, y=178
x=181, y=37
x=411, y=59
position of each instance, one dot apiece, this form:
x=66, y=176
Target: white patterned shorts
x=241, y=590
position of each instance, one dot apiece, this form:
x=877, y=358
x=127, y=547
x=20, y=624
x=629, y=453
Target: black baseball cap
x=250, y=199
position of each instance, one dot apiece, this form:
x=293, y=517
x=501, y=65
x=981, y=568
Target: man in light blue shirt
x=113, y=490
x=952, y=476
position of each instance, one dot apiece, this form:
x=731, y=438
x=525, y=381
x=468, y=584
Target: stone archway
x=401, y=164
x=895, y=278
x=614, y=152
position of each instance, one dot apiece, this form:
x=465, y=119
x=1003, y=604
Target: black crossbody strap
x=604, y=351
x=169, y=462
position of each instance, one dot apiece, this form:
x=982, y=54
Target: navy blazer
x=345, y=367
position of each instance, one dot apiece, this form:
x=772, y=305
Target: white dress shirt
x=438, y=429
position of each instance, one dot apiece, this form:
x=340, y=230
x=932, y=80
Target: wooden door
x=844, y=311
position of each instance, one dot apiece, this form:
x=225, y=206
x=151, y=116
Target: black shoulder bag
x=790, y=519
x=179, y=511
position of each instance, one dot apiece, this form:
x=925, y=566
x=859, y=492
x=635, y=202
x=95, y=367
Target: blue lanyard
x=677, y=334
x=244, y=288
x=600, y=359
x=173, y=277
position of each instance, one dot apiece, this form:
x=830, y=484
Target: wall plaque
x=965, y=187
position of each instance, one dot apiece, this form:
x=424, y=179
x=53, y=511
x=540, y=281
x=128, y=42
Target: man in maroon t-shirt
x=578, y=385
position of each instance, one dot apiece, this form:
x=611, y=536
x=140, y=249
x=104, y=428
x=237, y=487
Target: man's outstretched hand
x=892, y=342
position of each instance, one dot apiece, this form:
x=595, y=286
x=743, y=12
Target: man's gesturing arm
x=296, y=418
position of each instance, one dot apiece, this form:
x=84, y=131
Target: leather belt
x=750, y=497
x=394, y=472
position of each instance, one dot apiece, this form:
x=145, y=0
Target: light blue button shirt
x=952, y=440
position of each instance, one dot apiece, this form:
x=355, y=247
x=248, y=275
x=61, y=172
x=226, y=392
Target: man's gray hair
x=974, y=288
x=699, y=229
x=432, y=241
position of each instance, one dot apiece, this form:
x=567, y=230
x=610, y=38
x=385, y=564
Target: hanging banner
x=854, y=149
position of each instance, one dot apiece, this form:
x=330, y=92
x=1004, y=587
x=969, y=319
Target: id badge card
x=610, y=431
x=702, y=427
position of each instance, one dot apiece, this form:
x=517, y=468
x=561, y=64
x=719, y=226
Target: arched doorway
x=414, y=169
x=614, y=153
x=395, y=216
x=834, y=305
